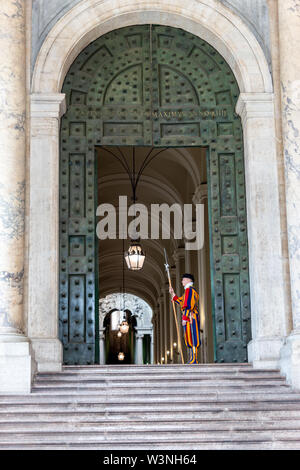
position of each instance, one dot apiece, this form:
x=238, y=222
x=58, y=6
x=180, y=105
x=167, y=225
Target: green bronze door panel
x=193, y=88
x=110, y=84
x=77, y=247
x=230, y=277
x=108, y=103
x=194, y=98
x=151, y=86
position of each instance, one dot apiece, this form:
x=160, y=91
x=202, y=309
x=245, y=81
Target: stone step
x=147, y=408
x=156, y=382
x=150, y=416
x=159, y=380
x=223, y=406
x=153, y=398
x=162, y=446
x=160, y=383
x=141, y=427
x=174, y=392
x=162, y=372
x=233, y=366
x=149, y=437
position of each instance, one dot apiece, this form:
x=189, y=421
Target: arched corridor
x=176, y=175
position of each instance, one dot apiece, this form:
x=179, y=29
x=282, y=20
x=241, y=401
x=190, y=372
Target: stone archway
x=142, y=312
x=157, y=86
x=84, y=23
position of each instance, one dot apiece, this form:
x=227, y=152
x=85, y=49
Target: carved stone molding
x=45, y=14
x=137, y=306
x=200, y=194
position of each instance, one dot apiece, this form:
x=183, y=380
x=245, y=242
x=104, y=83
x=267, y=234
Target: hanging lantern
x=124, y=327
x=121, y=356
x=135, y=256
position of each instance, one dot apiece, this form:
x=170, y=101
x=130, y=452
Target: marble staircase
x=153, y=407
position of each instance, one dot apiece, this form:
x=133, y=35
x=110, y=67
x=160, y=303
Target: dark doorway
x=151, y=85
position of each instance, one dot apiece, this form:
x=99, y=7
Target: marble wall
x=46, y=13
x=15, y=359
x=289, y=44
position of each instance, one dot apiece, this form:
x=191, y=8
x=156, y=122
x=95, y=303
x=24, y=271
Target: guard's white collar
x=189, y=284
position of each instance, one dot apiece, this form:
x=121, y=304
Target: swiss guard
x=191, y=317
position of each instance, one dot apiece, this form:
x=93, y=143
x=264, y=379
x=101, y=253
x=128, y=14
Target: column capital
x=144, y=331
x=200, y=194
x=164, y=290
x=102, y=333
x=172, y=271
x=179, y=254
x=255, y=105
x=139, y=335
x=48, y=105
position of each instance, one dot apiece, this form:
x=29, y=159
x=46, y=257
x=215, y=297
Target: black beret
x=189, y=276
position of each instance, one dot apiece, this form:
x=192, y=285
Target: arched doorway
x=137, y=343
x=160, y=86
x=118, y=347
x=213, y=22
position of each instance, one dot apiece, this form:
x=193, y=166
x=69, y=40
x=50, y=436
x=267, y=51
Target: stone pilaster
x=139, y=348
x=179, y=258
x=172, y=326
x=153, y=339
x=46, y=111
x=200, y=197
x=289, y=43
x=15, y=358
x=158, y=335
x=166, y=322
x=187, y=258
x=102, y=346
x=161, y=329
x=268, y=312
x=274, y=36
x=152, y=349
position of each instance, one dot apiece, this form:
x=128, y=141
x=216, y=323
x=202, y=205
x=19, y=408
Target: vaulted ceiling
x=171, y=177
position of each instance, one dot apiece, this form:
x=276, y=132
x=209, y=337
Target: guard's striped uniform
x=189, y=306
